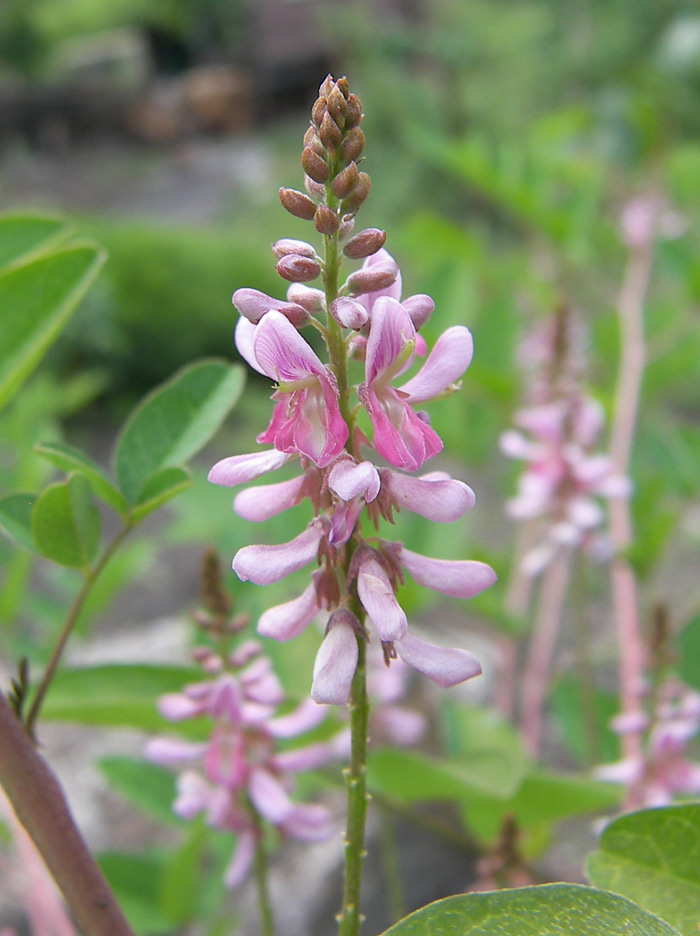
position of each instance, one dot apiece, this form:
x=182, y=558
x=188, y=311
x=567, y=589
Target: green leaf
x=120, y=696
x=417, y=777
x=16, y=518
x=66, y=458
x=180, y=894
x=66, y=523
x=548, y=910
x=585, y=728
x=36, y=301
x=653, y=857
x=147, y=786
x=23, y=235
x=160, y=488
x=689, y=652
x=174, y=422
x=136, y=882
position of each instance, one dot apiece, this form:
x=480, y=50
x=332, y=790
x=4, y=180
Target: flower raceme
x=314, y=424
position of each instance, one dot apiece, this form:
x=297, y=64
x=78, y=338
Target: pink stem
x=40, y=805
x=630, y=308
x=537, y=670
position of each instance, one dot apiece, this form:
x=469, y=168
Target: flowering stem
x=69, y=624
x=350, y=918
x=630, y=308
x=41, y=807
x=537, y=671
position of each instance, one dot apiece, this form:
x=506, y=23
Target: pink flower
x=307, y=419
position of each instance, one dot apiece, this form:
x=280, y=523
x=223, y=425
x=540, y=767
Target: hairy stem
x=40, y=805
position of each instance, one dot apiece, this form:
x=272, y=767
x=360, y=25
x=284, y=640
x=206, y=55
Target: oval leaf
x=70, y=459
x=36, y=301
x=174, y=422
x=161, y=487
x=16, y=518
x=653, y=857
x=23, y=235
x=66, y=523
x=548, y=910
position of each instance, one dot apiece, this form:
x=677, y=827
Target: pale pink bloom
x=350, y=479
x=336, y=661
x=239, y=469
x=264, y=564
x=435, y=495
x=286, y=621
x=445, y=666
x=376, y=593
x=462, y=578
x=390, y=721
x=261, y=503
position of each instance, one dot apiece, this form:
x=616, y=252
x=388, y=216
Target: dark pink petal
x=282, y=352
x=390, y=330
x=260, y=503
x=264, y=565
x=350, y=479
x=335, y=665
x=400, y=435
x=288, y=620
x=461, y=579
x=435, y=496
x=239, y=469
x=450, y=357
x=446, y=667
x=379, y=601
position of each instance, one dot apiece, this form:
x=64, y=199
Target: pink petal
x=349, y=313
x=288, y=620
x=400, y=726
x=350, y=479
x=383, y=260
x=335, y=665
x=309, y=822
x=269, y=796
x=460, y=579
x=239, y=469
x=244, y=337
x=400, y=435
x=260, y=503
x=264, y=565
x=242, y=860
x=379, y=601
x=450, y=357
x=281, y=351
x=176, y=707
x=303, y=718
x=194, y=795
x=303, y=759
x=420, y=307
x=391, y=328
x=446, y=667
x=436, y=497
x=170, y=752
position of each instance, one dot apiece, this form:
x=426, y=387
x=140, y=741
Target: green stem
x=391, y=867
x=268, y=923
x=70, y=622
x=350, y=918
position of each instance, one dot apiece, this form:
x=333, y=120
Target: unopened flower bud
x=352, y=146
x=345, y=181
x=371, y=279
x=315, y=189
x=353, y=112
x=297, y=204
x=253, y=304
x=313, y=140
x=349, y=313
x=313, y=300
x=365, y=243
x=319, y=108
x=326, y=86
x=347, y=225
x=330, y=133
x=358, y=195
x=298, y=269
x=315, y=166
x=327, y=221
x=288, y=245
x=419, y=307
x=337, y=104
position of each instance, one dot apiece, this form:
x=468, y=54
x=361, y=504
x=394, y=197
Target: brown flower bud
x=297, y=204
x=326, y=86
x=370, y=280
x=347, y=224
x=314, y=165
x=313, y=140
x=298, y=269
x=358, y=195
x=353, y=112
x=352, y=146
x=345, y=181
x=318, y=110
x=327, y=221
x=315, y=189
x=330, y=132
x=365, y=243
x=337, y=105
x=288, y=245
x=343, y=86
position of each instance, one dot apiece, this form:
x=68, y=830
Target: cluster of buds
x=315, y=425
x=239, y=777
x=556, y=435
x=662, y=770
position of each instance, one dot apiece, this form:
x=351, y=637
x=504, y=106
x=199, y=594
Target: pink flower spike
x=261, y=503
x=446, y=667
x=335, y=664
x=350, y=479
x=435, y=496
x=239, y=469
x=460, y=578
x=242, y=860
x=286, y=621
x=451, y=356
x=264, y=565
x=307, y=419
x=379, y=601
x=303, y=718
